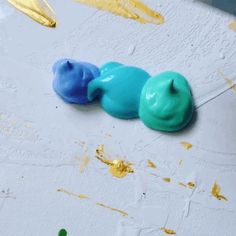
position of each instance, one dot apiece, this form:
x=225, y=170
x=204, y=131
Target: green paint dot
x=62, y=232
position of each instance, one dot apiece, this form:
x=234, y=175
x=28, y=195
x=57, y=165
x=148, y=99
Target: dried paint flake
x=132, y=9
x=186, y=145
x=168, y=231
x=112, y=209
x=80, y=196
x=151, y=164
x=39, y=10
x=232, y=25
x=215, y=191
x=167, y=179
x=118, y=168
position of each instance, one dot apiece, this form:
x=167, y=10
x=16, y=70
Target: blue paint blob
x=71, y=79
x=118, y=89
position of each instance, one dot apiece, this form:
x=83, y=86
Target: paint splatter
x=186, y=145
x=167, y=179
x=232, y=25
x=39, y=10
x=80, y=196
x=168, y=231
x=112, y=209
x=190, y=185
x=62, y=232
x=118, y=168
x=229, y=81
x=132, y=9
x=215, y=191
x=151, y=164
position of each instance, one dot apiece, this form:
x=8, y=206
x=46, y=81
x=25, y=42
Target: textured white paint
x=39, y=133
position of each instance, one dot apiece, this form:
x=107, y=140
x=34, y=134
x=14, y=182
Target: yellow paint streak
x=167, y=179
x=118, y=168
x=191, y=185
x=84, y=161
x=186, y=145
x=132, y=9
x=112, y=209
x=232, y=25
x=168, y=231
x=39, y=10
x=215, y=191
x=151, y=164
x=80, y=196
x=229, y=81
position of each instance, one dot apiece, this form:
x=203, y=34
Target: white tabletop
x=43, y=139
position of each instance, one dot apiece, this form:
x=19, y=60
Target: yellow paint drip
x=39, y=10
x=186, y=145
x=215, y=191
x=151, y=164
x=167, y=179
x=80, y=196
x=232, y=25
x=168, y=231
x=112, y=209
x=118, y=168
x=132, y=9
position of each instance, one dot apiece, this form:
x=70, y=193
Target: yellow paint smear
x=112, y=209
x=167, y=179
x=230, y=82
x=168, y=231
x=132, y=9
x=39, y=10
x=84, y=161
x=80, y=196
x=190, y=185
x=182, y=184
x=215, y=191
x=232, y=25
x=186, y=145
x=118, y=168
x=151, y=164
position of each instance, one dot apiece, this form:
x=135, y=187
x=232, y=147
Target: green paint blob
x=62, y=232
x=166, y=102
x=118, y=89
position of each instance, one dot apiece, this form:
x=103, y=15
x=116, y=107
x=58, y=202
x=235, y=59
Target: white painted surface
x=39, y=132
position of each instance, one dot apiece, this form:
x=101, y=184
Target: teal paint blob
x=62, y=232
x=166, y=102
x=118, y=89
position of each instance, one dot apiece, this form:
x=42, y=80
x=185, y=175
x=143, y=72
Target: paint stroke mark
x=83, y=163
x=216, y=192
x=229, y=81
x=190, y=185
x=112, y=209
x=118, y=168
x=186, y=145
x=38, y=10
x=232, y=26
x=166, y=179
x=131, y=9
x=62, y=232
x=168, y=231
x=80, y=196
x=151, y=164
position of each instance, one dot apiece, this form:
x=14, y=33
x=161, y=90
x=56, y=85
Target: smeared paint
x=62, y=232
x=151, y=164
x=186, y=145
x=166, y=179
x=232, y=25
x=132, y=9
x=80, y=196
x=229, y=81
x=168, y=231
x=39, y=10
x=118, y=168
x=190, y=185
x=112, y=209
x=215, y=191
x=84, y=161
